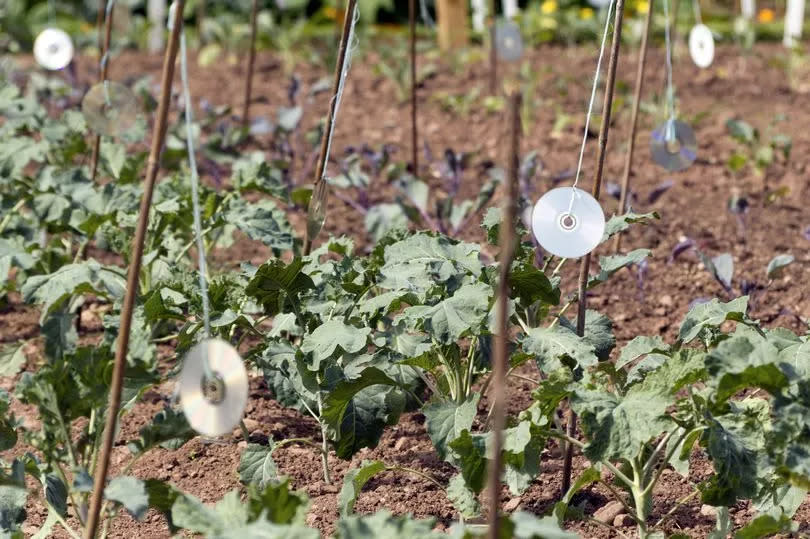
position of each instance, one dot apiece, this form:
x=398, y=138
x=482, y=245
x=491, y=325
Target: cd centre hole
x=213, y=389
x=673, y=145
x=53, y=48
x=568, y=221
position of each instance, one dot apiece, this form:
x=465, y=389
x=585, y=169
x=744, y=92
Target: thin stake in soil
x=507, y=242
x=158, y=136
x=104, y=49
x=316, y=213
x=628, y=163
x=414, y=133
x=254, y=14
x=604, y=129
x=493, y=54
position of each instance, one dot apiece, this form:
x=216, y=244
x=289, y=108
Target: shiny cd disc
x=508, y=41
x=53, y=49
x=701, y=45
x=214, y=407
x=110, y=109
x=564, y=234
x=673, y=145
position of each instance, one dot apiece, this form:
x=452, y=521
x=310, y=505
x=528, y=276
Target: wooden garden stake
x=493, y=60
x=501, y=359
x=628, y=163
x=597, y=187
x=104, y=50
x=316, y=215
x=122, y=346
x=414, y=132
x=254, y=14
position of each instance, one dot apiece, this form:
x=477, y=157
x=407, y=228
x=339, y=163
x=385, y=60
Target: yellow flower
x=330, y=12
x=643, y=6
x=765, y=15
x=548, y=7
x=586, y=13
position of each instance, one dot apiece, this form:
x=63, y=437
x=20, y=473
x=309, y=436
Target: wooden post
x=501, y=360
x=316, y=212
x=122, y=345
x=452, y=22
x=584, y=267
x=628, y=163
x=251, y=63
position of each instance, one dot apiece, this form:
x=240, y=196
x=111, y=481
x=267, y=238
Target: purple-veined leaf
x=656, y=193
x=681, y=247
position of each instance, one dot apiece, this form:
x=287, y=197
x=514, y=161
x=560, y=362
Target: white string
x=195, y=187
x=670, y=91
x=106, y=57
x=426, y=18
x=351, y=44
x=696, y=9
x=574, y=193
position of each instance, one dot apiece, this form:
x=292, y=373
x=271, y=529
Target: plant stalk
x=610, y=84
x=104, y=49
x=501, y=359
x=119, y=367
x=254, y=13
x=631, y=144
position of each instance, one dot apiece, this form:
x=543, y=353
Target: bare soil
x=753, y=88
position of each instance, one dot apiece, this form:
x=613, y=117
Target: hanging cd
x=701, y=45
x=568, y=234
x=508, y=41
x=110, y=109
x=53, y=49
x=673, y=145
x=213, y=407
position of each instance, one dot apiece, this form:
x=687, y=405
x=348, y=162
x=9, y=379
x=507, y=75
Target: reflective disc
x=508, y=41
x=213, y=408
x=564, y=234
x=53, y=49
x=701, y=45
x=673, y=145
x=110, y=109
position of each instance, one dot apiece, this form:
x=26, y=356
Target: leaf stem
x=324, y=442
x=414, y=472
x=304, y=441
x=675, y=507
x=190, y=244
x=7, y=219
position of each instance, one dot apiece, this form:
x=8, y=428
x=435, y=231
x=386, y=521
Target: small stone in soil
x=708, y=511
x=511, y=505
x=400, y=443
x=609, y=512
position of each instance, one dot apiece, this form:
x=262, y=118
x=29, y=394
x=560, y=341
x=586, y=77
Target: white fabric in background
x=749, y=7
x=156, y=13
x=510, y=8
x=479, y=14
x=794, y=18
